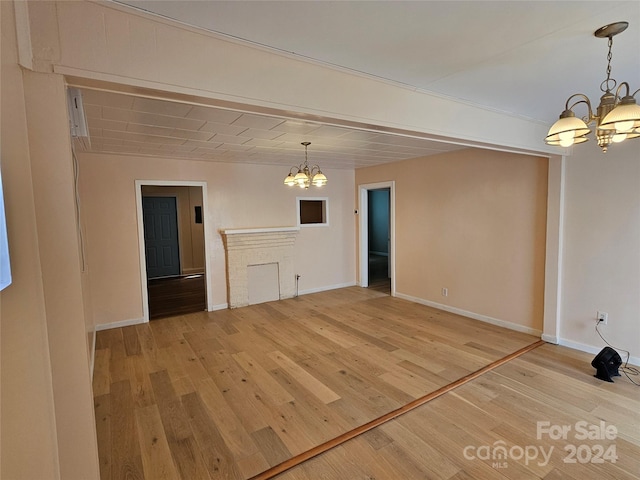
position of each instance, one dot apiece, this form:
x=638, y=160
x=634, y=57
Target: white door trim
x=363, y=248
x=207, y=237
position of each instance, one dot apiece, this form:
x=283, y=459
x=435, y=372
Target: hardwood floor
x=379, y=271
x=444, y=438
x=382, y=286
x=229, y=394
x=169, y=296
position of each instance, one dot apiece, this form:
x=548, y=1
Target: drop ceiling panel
x=216, y=115
x=166, y=121
x=126, y=124
x=231, y=139
x=257, y=121
x=263, y=134
x=222, y=128
x=296, y=127
x=160, y=107
x=109, y=113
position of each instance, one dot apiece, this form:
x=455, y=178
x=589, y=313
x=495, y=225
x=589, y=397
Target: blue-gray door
x=379, y=228
x=161, y=236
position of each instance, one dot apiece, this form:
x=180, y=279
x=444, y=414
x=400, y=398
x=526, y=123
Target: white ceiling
x=520, y=57
x=125, y=124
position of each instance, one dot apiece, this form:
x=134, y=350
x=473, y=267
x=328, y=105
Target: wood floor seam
x=350, y=435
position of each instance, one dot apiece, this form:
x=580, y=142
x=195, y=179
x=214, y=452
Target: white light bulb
x=618, y=137
x=566, y=142
x=623, y=127
x=569, y=135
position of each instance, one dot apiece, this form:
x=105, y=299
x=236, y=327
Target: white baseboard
x=93, y=353
x=550, y=339
x=189, y=271
x=328, y=287
x=220, y=306
x=475, y=316
x=121, y=323
x=137, y=321
x=593, y=349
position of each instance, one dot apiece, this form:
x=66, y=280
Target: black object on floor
x=606, y=364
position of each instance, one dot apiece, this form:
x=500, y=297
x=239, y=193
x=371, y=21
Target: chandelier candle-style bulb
x=616, y=119
x=319, y=179
x=290, y=180
x=568, y=130
x=303, y=175
x=625, y=117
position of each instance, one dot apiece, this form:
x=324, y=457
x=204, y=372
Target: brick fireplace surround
x=258, y=246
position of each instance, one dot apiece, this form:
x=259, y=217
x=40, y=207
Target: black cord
x=625, y=368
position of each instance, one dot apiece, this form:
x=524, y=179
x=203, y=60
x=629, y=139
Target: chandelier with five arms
x=303, y=175
x=617, y=117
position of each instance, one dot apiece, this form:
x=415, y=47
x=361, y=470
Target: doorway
x=172, y=248
x=377, y=231
x=378, y=212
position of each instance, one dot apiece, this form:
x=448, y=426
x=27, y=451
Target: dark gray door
x=161, y=236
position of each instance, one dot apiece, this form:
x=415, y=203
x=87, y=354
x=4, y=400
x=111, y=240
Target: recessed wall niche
x=313, y=212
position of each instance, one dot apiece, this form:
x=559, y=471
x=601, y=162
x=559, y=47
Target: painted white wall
x=601, y=255
x=110, y=42
x=239, y=196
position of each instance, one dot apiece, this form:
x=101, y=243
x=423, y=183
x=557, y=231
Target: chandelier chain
x=610, y=83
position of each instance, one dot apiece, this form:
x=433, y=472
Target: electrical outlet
x=602, y=317
x=445, y=292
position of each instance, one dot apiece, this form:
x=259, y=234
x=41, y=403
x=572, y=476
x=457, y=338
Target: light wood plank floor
x=450, y=437
x=228, y=394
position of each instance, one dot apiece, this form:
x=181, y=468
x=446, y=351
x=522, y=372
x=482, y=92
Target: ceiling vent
x=77, y=119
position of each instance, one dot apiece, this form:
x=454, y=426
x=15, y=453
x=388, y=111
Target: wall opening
x=178, y=210
x=313, y=212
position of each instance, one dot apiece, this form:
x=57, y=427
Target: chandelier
x=616, y=118
x=303, y=175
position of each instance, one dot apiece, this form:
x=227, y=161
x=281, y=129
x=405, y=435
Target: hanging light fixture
x=616, y=119
x=303, y=175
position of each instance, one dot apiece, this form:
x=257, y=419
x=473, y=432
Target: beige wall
x=60, y=262
x=28, y=425
x=473, y=222
x=239, y=196
x=601, y=266
x=48, y=428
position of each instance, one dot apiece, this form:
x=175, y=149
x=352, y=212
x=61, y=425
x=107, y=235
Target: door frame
x=141, y=244
x=363, y=248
